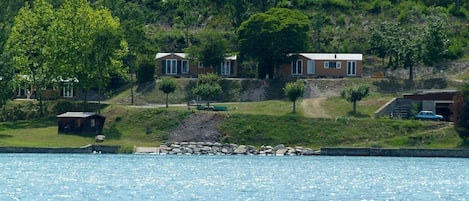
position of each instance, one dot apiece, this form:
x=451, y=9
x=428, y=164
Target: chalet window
x=225, y=68
x=93, y=123
x=185, y=66
x=67, y=90
x=297, y=67
x=351, y=68
x=171, y=66
x=332, y=64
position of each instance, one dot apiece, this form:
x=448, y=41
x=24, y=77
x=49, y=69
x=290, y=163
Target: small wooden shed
x=80, y=123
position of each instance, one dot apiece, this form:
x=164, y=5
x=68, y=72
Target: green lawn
x=256, y=123
x=40, y=137
x=339, y=107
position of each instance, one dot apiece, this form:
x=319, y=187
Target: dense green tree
x=132, y=16
x=167, y=85
x=145, y=71
x=409, y=51
x=6, y=82
x=8, y=10
x=26, y=45
x=294, y=91
x=460, y=111
x=208, y=87
x=407, y=46
x=212, y=49
x=270, y=37
x=187, y=17
x=384, y=41
x=87, y=44
x=435, y=41
x=238, y=10
x=319, y=20
x=353, y=95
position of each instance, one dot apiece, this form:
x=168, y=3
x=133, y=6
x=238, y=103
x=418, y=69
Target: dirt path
x=312, y=108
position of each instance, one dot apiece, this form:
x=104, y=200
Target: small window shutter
x=163, y=66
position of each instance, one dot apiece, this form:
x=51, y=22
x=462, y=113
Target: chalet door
x=311, y=67
x=351, y=68
x=225, y=68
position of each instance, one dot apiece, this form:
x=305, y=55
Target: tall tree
x=435, y=41
x=409, y=50
x=187, y=17
x=6, y=81
x=270, y=37
x=8, y=10
x=294, y=90
x=87, y=44
x=460, y=111
x=167, y=85
x=384, y=41
x=26, y=44
x=354, y=95
x=212, y=49
x=208, y=87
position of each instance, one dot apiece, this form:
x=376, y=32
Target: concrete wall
x=53, y=150
x=428, y=105
x=386, y=109
x=458, y=153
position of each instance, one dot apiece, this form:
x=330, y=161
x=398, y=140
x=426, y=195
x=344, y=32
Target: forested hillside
x=401, y=33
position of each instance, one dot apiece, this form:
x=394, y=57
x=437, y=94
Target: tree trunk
x=411, y=73
x=354, y=107
x=131, y=87
x=294, y=106
x=85, y=97
x=167, y=100
x=41, y=107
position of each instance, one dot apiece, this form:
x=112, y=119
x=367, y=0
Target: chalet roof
x=431, y=95
x=332, y=56
x=77, y=115
x=163, y=54
x=183, y=55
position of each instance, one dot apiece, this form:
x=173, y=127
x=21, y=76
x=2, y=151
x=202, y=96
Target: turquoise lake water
x=156, y=177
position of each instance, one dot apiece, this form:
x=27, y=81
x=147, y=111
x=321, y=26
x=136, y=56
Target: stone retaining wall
x=209, y=148
x=457, y=153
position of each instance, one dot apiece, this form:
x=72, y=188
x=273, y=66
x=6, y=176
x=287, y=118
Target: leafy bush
x=145, y=73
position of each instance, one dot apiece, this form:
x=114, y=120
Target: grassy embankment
x=257, y=123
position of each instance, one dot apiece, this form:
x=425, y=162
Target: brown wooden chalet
x=178, y=65
x=323, y=65
x=80, y=123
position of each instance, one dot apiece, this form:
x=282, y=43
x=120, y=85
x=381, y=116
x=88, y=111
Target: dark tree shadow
x=357, y=114
x=464, y=143
x=112, y=132
x=3, y=136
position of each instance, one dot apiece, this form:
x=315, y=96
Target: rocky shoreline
x=215, y=148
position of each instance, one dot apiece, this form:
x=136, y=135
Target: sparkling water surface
x=156, y=177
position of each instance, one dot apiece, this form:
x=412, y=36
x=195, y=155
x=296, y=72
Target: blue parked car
x=429, y=115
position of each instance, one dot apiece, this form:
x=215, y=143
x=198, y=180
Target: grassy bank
x=338, y=132
x=256, y=123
